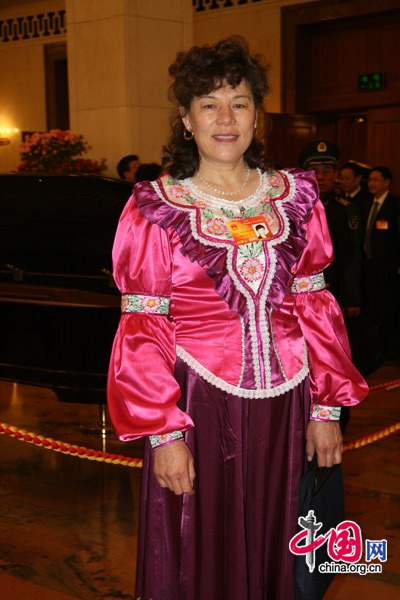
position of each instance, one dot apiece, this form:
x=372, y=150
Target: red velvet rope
x=126, y=461
x=388, y=385
x=57, y=446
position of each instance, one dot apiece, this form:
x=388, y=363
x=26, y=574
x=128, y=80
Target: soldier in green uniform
x=343, y=276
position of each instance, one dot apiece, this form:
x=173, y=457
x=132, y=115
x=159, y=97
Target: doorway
x=56, y=74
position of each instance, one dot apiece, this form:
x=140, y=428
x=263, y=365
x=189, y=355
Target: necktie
x=370, y=225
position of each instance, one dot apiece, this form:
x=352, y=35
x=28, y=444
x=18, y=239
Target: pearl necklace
x=237, y=206
x=226, y=193
x=215, y=201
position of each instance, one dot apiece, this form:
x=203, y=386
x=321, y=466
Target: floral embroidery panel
x=214, y=214
x=145, y=304
x=308, y=284
x=250, y=263
x=325, y=413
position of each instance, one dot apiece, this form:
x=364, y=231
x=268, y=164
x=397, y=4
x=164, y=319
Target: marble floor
x=68, y=525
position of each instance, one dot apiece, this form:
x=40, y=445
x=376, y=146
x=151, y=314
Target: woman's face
x=222, y=123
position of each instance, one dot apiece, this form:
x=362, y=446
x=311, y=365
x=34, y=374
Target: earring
x=188, y=134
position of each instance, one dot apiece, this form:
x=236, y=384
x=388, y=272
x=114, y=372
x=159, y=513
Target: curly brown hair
x=200, y=71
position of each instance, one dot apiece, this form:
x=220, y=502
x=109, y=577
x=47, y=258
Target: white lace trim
x=243, y=349
x=278, y=358
x=265, y=335
x=292, y=186
x=252, y=319
x=237, y=390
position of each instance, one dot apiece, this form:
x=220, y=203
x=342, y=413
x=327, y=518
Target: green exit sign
x=370, y=82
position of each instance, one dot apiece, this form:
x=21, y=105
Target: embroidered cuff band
x=312, y=283
x=325, y=413
x=155, y=305
x=164, y=439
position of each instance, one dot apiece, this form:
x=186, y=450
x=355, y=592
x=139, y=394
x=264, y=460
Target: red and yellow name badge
x=249, y=230
x=382, y=224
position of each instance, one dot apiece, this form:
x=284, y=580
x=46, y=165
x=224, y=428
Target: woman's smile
x=225, y=137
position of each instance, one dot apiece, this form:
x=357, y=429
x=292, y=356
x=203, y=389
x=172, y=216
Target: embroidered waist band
x=155, y=305
x=308, y=284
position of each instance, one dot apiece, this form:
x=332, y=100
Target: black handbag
x=321, y=490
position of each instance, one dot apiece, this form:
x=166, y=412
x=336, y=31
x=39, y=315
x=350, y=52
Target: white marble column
x=118, y=57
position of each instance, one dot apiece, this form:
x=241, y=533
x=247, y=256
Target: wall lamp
x=5, y=133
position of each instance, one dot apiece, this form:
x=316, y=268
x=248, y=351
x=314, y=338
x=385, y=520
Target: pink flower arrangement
x=57, y=151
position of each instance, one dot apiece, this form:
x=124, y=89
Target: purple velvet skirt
x=230, y=540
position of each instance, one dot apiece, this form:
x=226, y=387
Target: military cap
x=364, y=170
x=320, y=152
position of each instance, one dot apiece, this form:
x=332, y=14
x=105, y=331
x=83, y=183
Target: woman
x=223, y=343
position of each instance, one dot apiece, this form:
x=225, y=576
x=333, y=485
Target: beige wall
x=22, y=91
x=260, y=23
x=118, y=57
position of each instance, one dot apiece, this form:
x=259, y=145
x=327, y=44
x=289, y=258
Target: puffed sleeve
x=335, y=381
x=142, y=392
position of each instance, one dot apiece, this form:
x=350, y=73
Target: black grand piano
x=59, y=307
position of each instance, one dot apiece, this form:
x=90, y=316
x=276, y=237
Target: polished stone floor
x=68, y=525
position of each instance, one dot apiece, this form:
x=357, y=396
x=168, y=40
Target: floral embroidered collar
x=240, y=272
x=214, y=214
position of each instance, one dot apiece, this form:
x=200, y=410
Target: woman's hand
x=174, y=468
x=324, y=438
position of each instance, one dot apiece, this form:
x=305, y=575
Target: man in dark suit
x=353, y=188
x=343, y=276
x=382, y=259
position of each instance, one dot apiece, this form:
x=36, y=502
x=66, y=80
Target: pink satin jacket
x=253, y=319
